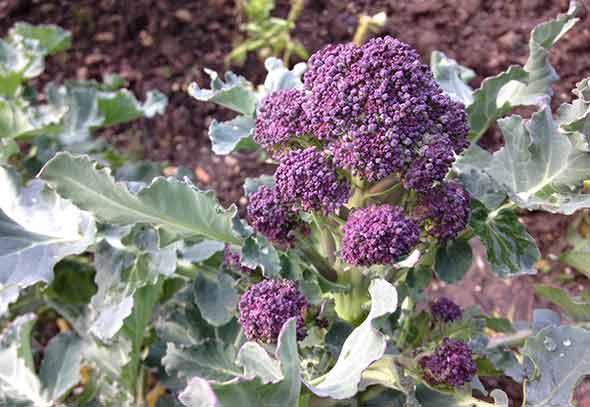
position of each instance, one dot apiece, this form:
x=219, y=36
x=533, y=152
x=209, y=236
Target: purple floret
x=445, y=210
x=445, y=310
x=280, y=117
x=266, y=306
x=307, y=177
x=451, y=364
x=376, y=104
x=433, y=162
x=270, y=216
x=378, y=235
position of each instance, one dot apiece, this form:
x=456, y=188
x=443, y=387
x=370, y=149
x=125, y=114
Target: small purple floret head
x=378, y=235
x=445, y=310
x=450, y=364
x=268, y=305
x=446, y=210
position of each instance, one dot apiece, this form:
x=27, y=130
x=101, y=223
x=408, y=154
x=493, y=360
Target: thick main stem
x=349, y=305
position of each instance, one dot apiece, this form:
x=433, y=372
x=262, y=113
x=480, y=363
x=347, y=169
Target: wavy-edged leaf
x=177, y=208
x=363, y=346
x=428, y=397
x=538, y=167
x=258, y=252
x=60, y=370
x=236, y=93
x=541, y=74
x=574, y=118
x=232, y=135
x=216, y=296
x=452, y=77
x=510, y=249
x=51, y=38
x=256, y=362
x=122, y=106
x=574, y=308
x=561, y=357
x=37, y=229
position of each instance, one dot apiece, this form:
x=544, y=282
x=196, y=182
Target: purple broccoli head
x=378, y=235
x=280, y=117
x=233, y=260
x=266, y=306
x=450, y=364
x=277, y=220
x=445, y=210
x=308, y=178
x=376, y=104
x=445, y=310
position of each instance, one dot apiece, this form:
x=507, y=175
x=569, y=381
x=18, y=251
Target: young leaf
x=452, y=77
x=561, y=357
x=510, y=250
x=60, y=370
x=177, y=208
x=232, y=135
x=258, y=252
x=364, y=346
x=51, y=38
x=236, y=93
x=37, y=230
x=122, y=106
x=280, y=77
x=257, y=363
x=538, y=167
x=574, y=118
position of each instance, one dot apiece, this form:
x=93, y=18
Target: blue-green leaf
x=452, y=77
x=236, y=93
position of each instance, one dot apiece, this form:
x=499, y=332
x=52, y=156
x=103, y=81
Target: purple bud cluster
x=450, y=364
x=376, y=104
x=266, y=306
x=378, y=235
x=308, y=178
x=445, y=310
x=270, y=216
x=445, y=210
x=280, y=117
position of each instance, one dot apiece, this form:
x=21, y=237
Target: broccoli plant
x=317, y=296
x=268, y=35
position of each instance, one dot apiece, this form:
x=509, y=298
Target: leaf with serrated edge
x=364, y=346
x=538, y=167
x=561, y=356
x=177, y=208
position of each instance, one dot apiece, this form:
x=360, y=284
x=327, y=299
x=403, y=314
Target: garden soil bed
x=165, y=44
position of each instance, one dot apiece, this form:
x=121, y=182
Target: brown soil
x=165, y=44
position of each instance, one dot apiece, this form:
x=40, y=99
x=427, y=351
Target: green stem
x=349, y=305
x=296, y=9
x=140, y=388
x=509, y=340
x=495, y=212
x=362, y=30
x=320, y=263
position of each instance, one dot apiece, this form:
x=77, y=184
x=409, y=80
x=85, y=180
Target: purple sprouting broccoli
x=450, y=364
x=275, y=219
x=445, y=310
x=308, y=178
x=445, y=210
x=280, y=118
x=432, y=163
x=266, y=306
x=380, y=110
x=378, y=235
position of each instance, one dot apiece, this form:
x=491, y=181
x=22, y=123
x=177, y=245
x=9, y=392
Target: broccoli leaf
x=453, y=260
x=574, y=308
x=232, y=135
x=538, y=167
x=452, y=77
x=574, y=118
x=279, y=76
x=510, y=250
x=176, y=208
x=561, y=357
x=37, y=229
x=363, y=346
x=216, y=297
x=60, y=370
x=51, y=38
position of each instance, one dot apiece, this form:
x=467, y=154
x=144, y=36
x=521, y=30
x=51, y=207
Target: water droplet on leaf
x=567, y=342
x=550, y=344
